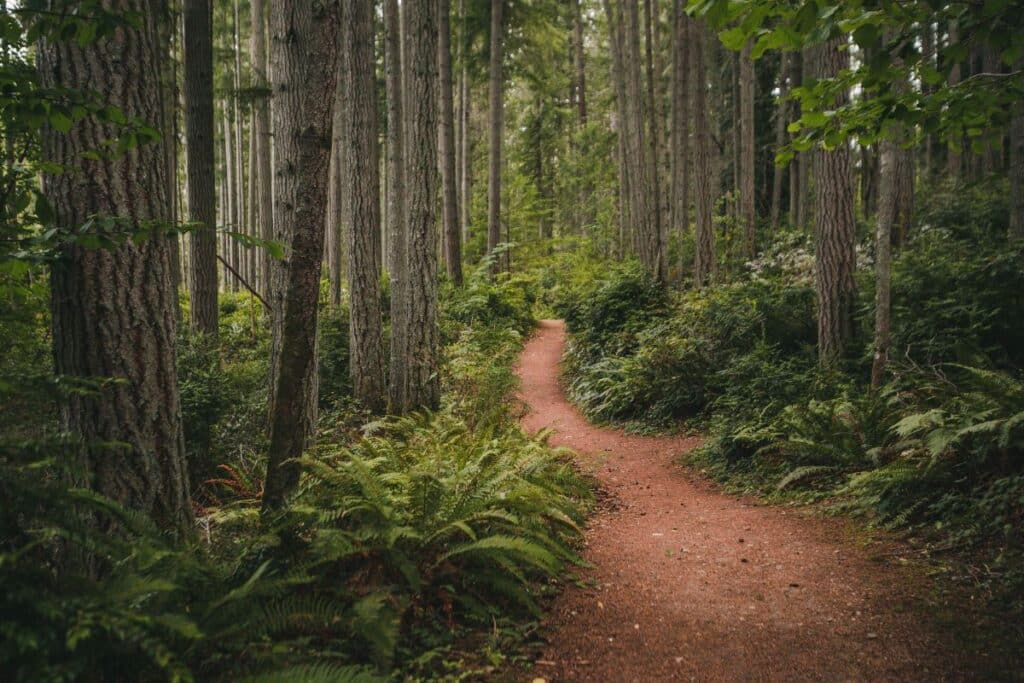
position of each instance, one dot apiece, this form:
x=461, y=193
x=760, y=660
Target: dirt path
x=690, y=584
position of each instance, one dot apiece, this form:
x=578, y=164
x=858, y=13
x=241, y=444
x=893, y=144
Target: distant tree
x=495, y=127
x=704, y=254
x=398, y=267
x=452, y=241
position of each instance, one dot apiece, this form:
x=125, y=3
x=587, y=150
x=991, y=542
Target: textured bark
x=362, y=183
x=836, y=227
x=704, y=253
x=421, y=185
x=495, y=127
x=654, y=119
x=680, y=125
x=747, y=170
x=262, y=135
x=305, y=53
x=883, y=262
x=781, y=121
x=113, y=309
x=579, y=65
x=168, y=127
x=396, y=218
x=238, y=138
x=335, y=223
x=466, y=143
x=230, y=192
x=621, y=129
x=199, y=149
x=446, y=147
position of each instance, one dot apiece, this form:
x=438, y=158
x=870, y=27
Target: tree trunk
x=747, y=170
x=421, y=185
x=799, y=161
x=465, y=130
x=1016, y=169
x=654, y=127
x=446, y=147
x=781, y=121
x=362, y=167
x=305, y=54
x=261, y=132
x=578, y=63
x=238, y=137
x=834, y=213
x=954, y=160
x=495, y=127
x=622, y=130
x=229, y=190
x=199, y=150
x=704, y=253
x=335, y=220
x=680, y=126
x=396, y=217
x=113, y=309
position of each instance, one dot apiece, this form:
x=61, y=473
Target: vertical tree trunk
x=366, y=351
x=465, y=133
x=928, y=56
x=168, y=126
x=113, y=309
x=261, y=132
x=622, y=129
x=446, y=147
x=238, y=137
x=396, y=217
x=883, y=263
x=747, y=170
x=230, y=192
x=495, y=126
x=579, y=63
x=781, y=122
x=421, y=185
x=680, y=126
x=799, y=161
x=1016, y=169
x=954, y=160
x=199, y=147
x=704, y=254
x=335, y=219
x=834, y=213
x=655, y=140
x=305, y=52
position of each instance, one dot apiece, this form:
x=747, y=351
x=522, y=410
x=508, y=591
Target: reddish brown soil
x=690, y=584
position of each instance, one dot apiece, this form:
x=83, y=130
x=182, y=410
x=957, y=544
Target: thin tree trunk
x=836, y=234
x=335, y=219
x=261, y=132
x=622, y=130
x=230, y=192
x=655, y=140
x=305, y=49
x=362, y=157
x=238, y=138
x=421, y=185
x=680, y=126
x=168, y=127
x=579, y=63
x=113, y=309
x=747, y=170
x=781, y=121
x=446, y=148
x=396, y=217
x=199, y=144
x=798, y=163
x=1016, y=169
x=704, y=253
x=496, y=113
x=954, y=159
x=644, y=214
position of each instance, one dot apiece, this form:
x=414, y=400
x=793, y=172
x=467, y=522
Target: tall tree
x=781, y=121
x=304, y=39
x=261, y=133
x=747, y=169
x=704, y=253
x=398, y=266
x=836, y=226
x=113, y=309
x=496, y=129
x=654, y=132
x=465, y=133
x=446, y=147
x=199, y=154
x=1016, y=167
x=680, y=125
x=421, y=184
x=579, y=66
x=366, y=354
x=622, y=129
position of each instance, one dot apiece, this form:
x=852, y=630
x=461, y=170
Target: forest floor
x=687, y=583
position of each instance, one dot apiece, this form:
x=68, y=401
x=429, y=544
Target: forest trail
x=690, y=584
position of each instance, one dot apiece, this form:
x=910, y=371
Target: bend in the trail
x=693, y=585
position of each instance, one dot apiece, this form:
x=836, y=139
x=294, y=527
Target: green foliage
x=335, y=381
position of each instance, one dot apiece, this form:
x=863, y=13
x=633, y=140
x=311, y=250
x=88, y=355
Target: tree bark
x=579, y=63
x=199, y=150
x=362, y=167
x=305, y=54
x=704, y=253
x=421, y=184
x=747, y=170
x=113, y=309
x=261, y=132
x=621, y=129
x=680, y=126
x=1016, y=169
x=834, y=212
x=237, y=138
x=446, y=148
x=465, y=131
x=799, y=161
x=655, y=139
x=396, y=217
x=495, y=125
